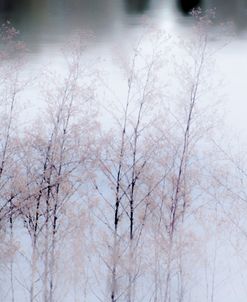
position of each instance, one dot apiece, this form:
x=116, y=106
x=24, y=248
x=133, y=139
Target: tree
x=124, y=165
x=56, y=159
x=12, y=83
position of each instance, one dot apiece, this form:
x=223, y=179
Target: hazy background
x=45, y=25
x=46, y=21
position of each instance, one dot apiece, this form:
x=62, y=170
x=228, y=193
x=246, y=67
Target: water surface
x=49, y=21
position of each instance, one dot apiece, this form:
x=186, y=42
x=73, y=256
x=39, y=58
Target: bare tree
x=55, y=159
x=124, y=163
x=179, y=164
x=12, y=83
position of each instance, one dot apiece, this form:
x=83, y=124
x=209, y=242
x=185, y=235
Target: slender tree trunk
x=52, y=259
x=181, y=288
x=131, y=254
x=12, y=260
x=114, y=270
x=168, y=273
x=33, y=268
x=156, y=271
x=46, y=263
x=46, y=251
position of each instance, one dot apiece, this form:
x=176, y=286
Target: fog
x=212, y=265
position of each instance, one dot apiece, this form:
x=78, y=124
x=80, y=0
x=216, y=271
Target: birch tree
x=12, y=83
x=56, y=157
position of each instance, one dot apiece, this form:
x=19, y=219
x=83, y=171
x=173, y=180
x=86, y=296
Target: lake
x=48, y=21
x=46, y=25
